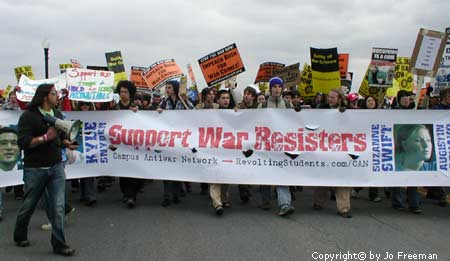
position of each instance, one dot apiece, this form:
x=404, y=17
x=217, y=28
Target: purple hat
x=275, y=80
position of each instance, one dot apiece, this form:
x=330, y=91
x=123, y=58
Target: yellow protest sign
x=403, y=77
x=305, y=87
x=27, y=70
x=7, y=91
x=365, y=90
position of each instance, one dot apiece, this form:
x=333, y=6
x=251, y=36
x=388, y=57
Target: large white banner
x=283, y=147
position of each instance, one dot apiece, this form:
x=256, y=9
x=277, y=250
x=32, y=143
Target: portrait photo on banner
x=10, y=154
x=414, y=147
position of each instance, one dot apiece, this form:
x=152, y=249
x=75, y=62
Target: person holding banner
x=336, y=100
x=128, y=186
x=275, y=101
x=404, y=103
x=173, y=101
x=219, y=193
x=43, y=172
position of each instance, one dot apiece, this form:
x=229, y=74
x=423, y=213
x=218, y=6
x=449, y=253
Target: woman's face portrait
x=418, y=145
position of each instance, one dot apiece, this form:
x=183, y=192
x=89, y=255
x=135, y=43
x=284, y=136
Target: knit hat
x=403, y=93
x=275, y=80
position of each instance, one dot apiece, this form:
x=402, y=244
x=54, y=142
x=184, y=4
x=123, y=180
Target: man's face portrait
x=9, y=150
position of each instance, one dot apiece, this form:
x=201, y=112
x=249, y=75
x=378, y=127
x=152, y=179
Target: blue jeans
x=37, y=182
x=87, y=189
x=398, y=195
x=283, y=195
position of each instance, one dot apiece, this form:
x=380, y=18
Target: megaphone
x=71, y=128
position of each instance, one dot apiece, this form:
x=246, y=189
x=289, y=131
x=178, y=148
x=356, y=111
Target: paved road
x=191, y=231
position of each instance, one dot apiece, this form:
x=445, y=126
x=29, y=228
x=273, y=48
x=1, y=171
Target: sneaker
x=46, y=227
x=345, y=214
x=131, y=203
x=69, y=211
x=317, y=207
x=286, y=211
x=64, y=251
x=219, y=210
x=376, y=199
x=226, y=205
x=415, y=210
x=23, y=243
x=90, y=202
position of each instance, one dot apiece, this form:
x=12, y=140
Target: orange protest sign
x=136, y=77
x=160, y=72
x=191, y=75
x=343, y=64
x=221, y=65
x=266, y=71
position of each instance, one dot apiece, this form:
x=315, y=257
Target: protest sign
x=266, y=71
x=427, y=52
x=28, y=86
x=158, y=73
x=136, y=77
x=382, y=67
x=403, y=77
x=7, y=90
x=75, y=63
x=343, y=64
x=289, y=74
x=325, y=69
x=442, y=78
x=63, y=67
x=322, y=151
x=191, y=75
x=365, y=90
x=115, y=64
x=305, y=87
x=90, y=85
x=346, y=83
x=25, y=70
x=97, y=68
x=221, y=65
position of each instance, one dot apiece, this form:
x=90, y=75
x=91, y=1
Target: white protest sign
x=90, y=85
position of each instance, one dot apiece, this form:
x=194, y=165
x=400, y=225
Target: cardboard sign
x=325, y=69
x=90, y=85
x=191, y=75
x=25, y=70
x=442, y=78
x=63, y=67
x=221, y=65
x=266, y=71
x=28, y=86
x=290, y=75
x=158, y=73
x=343, y=64
x=305, y=87
x=382, y=67
x=427, y=52
x=136, y=77
x=115, y=64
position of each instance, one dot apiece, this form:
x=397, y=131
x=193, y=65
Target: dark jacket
x=32, y=125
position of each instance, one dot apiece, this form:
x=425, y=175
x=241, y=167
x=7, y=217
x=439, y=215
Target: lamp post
x=46, y=46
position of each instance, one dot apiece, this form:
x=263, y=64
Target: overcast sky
x=264, y=30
